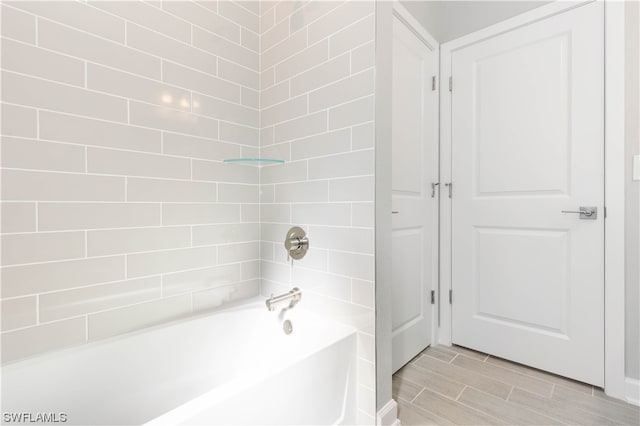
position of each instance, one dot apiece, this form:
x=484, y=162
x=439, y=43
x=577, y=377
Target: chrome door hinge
x=433, y=83
x=605, y=212
x=433, y=297
x=433, y=188
x=449, y=185
x=450, y=297
x=451, y=84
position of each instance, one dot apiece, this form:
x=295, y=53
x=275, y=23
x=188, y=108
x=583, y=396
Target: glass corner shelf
x=254, y=161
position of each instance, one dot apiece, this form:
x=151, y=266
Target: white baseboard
x=632, y=390
x=388, y=415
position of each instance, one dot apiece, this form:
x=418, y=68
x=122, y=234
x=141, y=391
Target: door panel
x=527, y=143
x=414, y=167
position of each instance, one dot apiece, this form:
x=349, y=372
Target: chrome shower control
x=296, y=243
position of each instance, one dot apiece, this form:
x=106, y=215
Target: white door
x=527, y=144
x=414, y=168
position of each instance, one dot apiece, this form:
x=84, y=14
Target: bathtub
x=236, y=366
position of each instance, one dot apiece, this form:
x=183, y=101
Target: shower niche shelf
x=254, y=161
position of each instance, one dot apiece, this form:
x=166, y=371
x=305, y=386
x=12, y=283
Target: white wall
x=317, y=87
x=116, y=117
x=448, y=20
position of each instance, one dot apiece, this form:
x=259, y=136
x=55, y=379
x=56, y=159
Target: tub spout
x=294, y=296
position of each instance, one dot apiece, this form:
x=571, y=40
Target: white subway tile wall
x=117, y=211
x=317, y=102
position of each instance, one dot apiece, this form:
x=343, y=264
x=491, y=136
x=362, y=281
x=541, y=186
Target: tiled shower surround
x=117, y=210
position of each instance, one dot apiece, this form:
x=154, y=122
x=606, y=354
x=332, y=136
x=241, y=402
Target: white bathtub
x=232, y=367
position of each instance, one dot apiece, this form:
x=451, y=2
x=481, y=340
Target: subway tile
x=44, y=186
x=323, y=144
x=119, y=241
x=305, y=60
x=322, y=283
x=284, y=111
x=87, y=131
x=18, y=121
x=116, y=162
x=363, y=214
x=38, y=93
x=95, y=49
x=250, y=270
x=281, y=51
x=274, y=95
x=267, y=193
x=17, y=24
x=362, y=136
x=266, y=136
x=223, y=110
x=249, y=213
x=275, y=213
x=341, y=165
x=31, y=60
x=19, y=312
x=238, y=14
x=250, y=98
x=18, y=217
x=130, y=86
x=193, y=213
x=172, y=120
x=267, y=78
x=272, y=271
x=288, y=172
x=266, y=250
x=168, y=48
x=302, y=192
x=131, y=318
x=42, y=247
x=362, y=57
x=139, y=189
x=30, y=341
x=148, y=16
x=200, y=279
x=239, y=134
x=352, y=189
x=359, y=240
x=367, y=373
x=321, y=75
x=200, y=82
x=350, y=88
x=225, y=234
x=238, y=74
x=363, y=293
x=195, y=147
x=224, y=48
x=366, y=347
x=231, y=253
x=78, y=15
x=237, y=193
x=310, y=12
x=354, y=265
x=39, y=155
x=86, y=300
x=219, y=297
x=224, y=172
x=162, y=262
x=274, y=35
x=338, y=19
x=205, y=18
x=267, y=19
x=280, y=151
x=252, y=6
x=322, y=213
x=44, y=277
x=285, y=8
x=250, y=40
x=209, y=4
x=354, y=35
x=308, y=125
x=352, y=113
x=68, y=216
x=274, y=232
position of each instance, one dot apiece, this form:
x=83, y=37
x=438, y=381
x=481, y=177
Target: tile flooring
x=457, y=386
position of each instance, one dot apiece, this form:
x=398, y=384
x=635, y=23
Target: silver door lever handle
x=584, y=212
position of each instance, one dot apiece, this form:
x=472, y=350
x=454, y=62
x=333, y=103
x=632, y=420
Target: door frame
x=614, y=298
x=404, y=16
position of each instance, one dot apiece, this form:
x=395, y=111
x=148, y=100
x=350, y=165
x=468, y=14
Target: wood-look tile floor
x=457, y=386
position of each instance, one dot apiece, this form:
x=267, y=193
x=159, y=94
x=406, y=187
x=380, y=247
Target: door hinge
x=605, y=212
x=451, y=84
x=433, y=83
x=450, y=297
x=433, y=297
x=449, y=185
